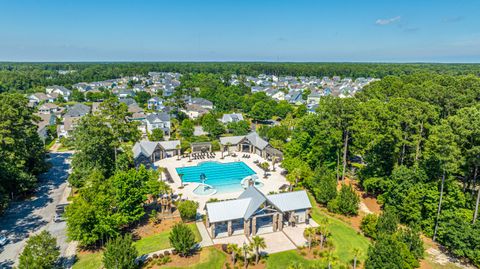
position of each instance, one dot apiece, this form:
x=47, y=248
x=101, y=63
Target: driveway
x=28, y=217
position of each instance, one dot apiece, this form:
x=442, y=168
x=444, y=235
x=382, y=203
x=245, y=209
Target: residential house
x=253, y=210
x=59, y=90
x=65, y=129
x=194, y=111
x=314, y=97
x=45, y=121
x=155, y=103
x=228, y=118
x=77, y=110
x=158, y=121
x=49, y=108
x=204, y=103
x=37, y=98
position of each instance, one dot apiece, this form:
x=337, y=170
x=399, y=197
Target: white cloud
x=387, y=21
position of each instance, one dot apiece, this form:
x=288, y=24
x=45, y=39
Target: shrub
x=323, y=185
x=346, y=202
x=181, y=239
x=120, y=253
x=369, y=225
x=155, y=256
x=188, y=209
x=166, y=253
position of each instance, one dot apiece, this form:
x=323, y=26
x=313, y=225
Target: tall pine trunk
x=345, y=147
x=475, y=215
x=439, y=205
x=417, y=151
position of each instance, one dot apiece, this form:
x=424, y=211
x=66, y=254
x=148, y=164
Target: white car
x=3, y=240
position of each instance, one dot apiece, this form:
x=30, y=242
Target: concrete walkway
x=206, y=240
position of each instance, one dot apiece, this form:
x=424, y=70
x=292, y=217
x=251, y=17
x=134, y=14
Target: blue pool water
x=224, y=177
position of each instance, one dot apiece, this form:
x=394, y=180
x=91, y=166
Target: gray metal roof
x=153, y=117
x=144, y=147
x=251, y=200
x=169, y=145
x=256, y=140
x=148, y=147
x=227, y=210
x=289, y=201
x=231, y=139
x=256, y=200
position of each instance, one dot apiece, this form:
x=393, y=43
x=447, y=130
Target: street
x=25, y=218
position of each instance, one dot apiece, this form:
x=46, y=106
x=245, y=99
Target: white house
x=59, y=90
x=228, y=118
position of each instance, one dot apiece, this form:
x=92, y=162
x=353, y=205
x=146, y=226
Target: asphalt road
x=32, y=216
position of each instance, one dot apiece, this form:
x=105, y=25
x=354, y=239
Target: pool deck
x=274, y=181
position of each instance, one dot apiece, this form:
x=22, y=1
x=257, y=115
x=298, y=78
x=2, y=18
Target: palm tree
x=234, y=250
x=309, y=233
x=356, y=253
x=265, y=166
x=274, y=160
x=246, y=250
x=331, y=259
x=178, y=152
x=293, y=177
x=323, y=230
x=258, y=243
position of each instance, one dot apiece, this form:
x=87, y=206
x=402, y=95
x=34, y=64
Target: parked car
x=58, y=217
x=3, y=240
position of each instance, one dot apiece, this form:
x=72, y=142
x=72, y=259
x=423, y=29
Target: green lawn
x=89, y=261
x=344, y=237
x=160, y=241
x=145, y=245
x=210, y=258
x=282, y=260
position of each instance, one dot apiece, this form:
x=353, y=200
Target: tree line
x=22, y=152
x=33, y=76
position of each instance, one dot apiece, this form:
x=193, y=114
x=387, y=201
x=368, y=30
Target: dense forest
x=414, y=142
x=30, y=76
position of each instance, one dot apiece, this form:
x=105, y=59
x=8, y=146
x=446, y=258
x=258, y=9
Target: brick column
x=212, y=230
x=254, y=226
x=229, y=228
x=275, y=222
x=246, y=227
x=280, y=222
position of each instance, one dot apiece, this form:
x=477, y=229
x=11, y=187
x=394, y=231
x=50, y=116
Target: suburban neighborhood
x=239, y=134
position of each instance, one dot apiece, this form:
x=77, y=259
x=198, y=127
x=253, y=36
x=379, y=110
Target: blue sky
x=203, y=30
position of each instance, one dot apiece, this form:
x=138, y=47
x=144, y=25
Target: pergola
x=201, y=147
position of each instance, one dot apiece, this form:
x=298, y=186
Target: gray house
x=77, y=110
x=254, y=211
x=158, y=121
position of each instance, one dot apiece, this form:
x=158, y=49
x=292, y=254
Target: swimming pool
x=224, y=177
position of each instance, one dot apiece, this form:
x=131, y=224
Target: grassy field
x=88, y=261
x=210, y=258
x=344, y=237
x=282, y=260
x=145, y=245
x=160, y=241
